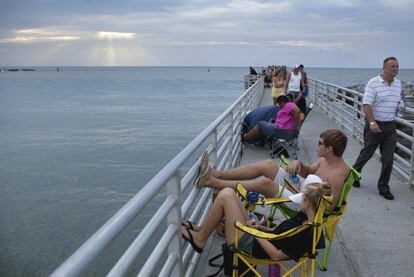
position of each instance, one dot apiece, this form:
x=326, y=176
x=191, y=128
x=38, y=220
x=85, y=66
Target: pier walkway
x=376, y=236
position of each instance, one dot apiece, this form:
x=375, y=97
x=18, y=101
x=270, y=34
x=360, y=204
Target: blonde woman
x=228, y=205
x=278, y=84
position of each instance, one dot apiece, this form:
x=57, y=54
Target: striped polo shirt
x=384, y=99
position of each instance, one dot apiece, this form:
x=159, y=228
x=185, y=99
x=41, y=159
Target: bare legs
x=227, y=205
x=246, y=175
x=252, y=135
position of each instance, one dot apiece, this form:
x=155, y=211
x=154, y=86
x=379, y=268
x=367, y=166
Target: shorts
x=306, y=92
x=279, y=179
x=266, y=128
x=295, y=94
x=269, y=129
x=276, y=92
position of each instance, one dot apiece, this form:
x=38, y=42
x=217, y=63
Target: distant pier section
x=16, y=69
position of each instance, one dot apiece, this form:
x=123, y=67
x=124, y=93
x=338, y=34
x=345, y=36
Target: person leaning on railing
x=286, y=125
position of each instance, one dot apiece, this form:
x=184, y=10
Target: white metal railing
x=250, y=79
x=222, y=138
x=344, y=106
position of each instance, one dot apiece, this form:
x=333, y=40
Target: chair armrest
x=265, y=235
x=284, y=162
x=287, y=182
x=272, y=201
x=241, y=191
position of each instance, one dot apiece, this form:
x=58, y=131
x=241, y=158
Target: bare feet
x=203, y=170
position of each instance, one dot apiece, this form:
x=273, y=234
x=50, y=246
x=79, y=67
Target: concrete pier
x=376, y=236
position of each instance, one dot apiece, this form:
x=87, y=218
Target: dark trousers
x=387, y=141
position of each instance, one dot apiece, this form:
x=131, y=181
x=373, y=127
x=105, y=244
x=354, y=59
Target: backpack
x=227, y=253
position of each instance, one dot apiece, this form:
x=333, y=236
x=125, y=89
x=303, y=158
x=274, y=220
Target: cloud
x=243, y=31
x=51, y=34
x=115, y=35
x=237, y=8
x=312, y=45
x=38, y=35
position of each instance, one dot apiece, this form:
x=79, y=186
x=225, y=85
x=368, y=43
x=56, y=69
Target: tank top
x=294, y=82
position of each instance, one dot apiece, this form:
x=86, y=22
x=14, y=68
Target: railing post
x=231, y=134
x=355, y=121
x=174, y=217
x=412, y=159
x=325, y=98
x=213, y=145
x=342, y=105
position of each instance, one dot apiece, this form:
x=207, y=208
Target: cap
x=296, y=66
x=296, y=198
x=311, y=179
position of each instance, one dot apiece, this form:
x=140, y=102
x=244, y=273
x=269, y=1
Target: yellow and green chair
x=305, y=267
x=331, y=219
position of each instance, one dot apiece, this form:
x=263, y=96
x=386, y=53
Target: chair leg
x=235, y=272
x=323, y=265
x=326, y=254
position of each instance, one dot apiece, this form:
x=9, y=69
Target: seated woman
x=286, y=126
x=228, y=205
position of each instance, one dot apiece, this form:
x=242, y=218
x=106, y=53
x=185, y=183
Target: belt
x=385, y=122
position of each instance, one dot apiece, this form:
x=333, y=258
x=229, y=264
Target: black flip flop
x=191, y=241
x=188, y=224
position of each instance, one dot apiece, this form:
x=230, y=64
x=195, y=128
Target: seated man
x=286, y=126
x=330, y=167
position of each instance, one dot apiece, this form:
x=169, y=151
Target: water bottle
x=274, y=270
x=295, y=179
x=252, y=196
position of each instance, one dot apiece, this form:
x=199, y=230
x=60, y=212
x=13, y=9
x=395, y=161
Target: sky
x=317, y=33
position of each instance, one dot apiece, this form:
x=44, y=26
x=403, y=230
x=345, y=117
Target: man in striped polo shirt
x=382, y=98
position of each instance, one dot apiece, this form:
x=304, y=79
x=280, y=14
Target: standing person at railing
x=305, y=80
x=278, y=84
x=252, y=71
x=294, y=83
x=382, y=98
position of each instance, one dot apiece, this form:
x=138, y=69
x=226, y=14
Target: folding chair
x=331, y=219
x=315, y=227
x=283, y=146
x=280, y=147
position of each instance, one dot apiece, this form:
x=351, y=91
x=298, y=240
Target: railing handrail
x=350, y=117
x=81, y=259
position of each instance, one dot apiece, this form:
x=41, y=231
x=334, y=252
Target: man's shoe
x=387, y=195
x=356, y=184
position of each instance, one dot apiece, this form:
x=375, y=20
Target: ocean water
x=77, y=144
